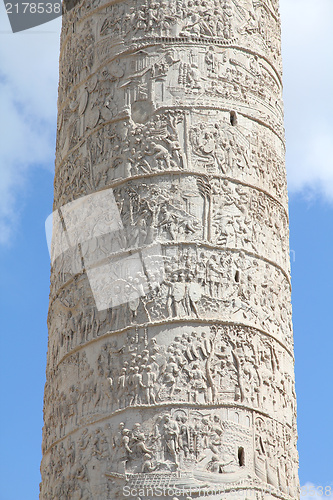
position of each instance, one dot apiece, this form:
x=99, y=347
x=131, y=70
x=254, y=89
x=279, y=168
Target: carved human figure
x=122, y=387
x=214, y=274
x=198, y=382
x=149, y=380
x=183, y=437
x=171, y=374
x=124, y=450
x=170, y=434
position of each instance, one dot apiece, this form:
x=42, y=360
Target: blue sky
x=28, y=90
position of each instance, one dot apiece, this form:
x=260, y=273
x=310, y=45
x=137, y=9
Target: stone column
x=170, y=359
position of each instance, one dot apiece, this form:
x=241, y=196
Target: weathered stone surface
x=170, y=358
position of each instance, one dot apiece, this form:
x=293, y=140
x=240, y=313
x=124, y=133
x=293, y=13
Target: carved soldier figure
x=122, y=387
x=136, y=386
x=178, y=294
x=171, y=374
x=198, y=381
x=214, y=273
x=170, y=437
x=149, y=380
x=184, y=438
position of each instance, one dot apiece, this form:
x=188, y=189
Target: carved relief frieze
x=195, y=283
x=194, y=208
x=136, y=86
x=184, y=365
x=186, y=448
x=250, y=24
x=173, y=141
x=211, y=366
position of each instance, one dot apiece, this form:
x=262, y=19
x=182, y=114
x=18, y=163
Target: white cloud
x=308, y=74
x=312, y=492
x=28, y=92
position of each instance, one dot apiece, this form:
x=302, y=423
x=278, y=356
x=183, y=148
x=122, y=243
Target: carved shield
x=195, y=292
x=134, y=303
x=209, y=147
x=106, y=113
x=178, y=291
x=92, y=82
x=83, y=102
x=93, y=117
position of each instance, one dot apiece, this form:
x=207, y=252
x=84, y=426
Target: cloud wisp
x=307, y=30
x=311, y=491
x=28, y=92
